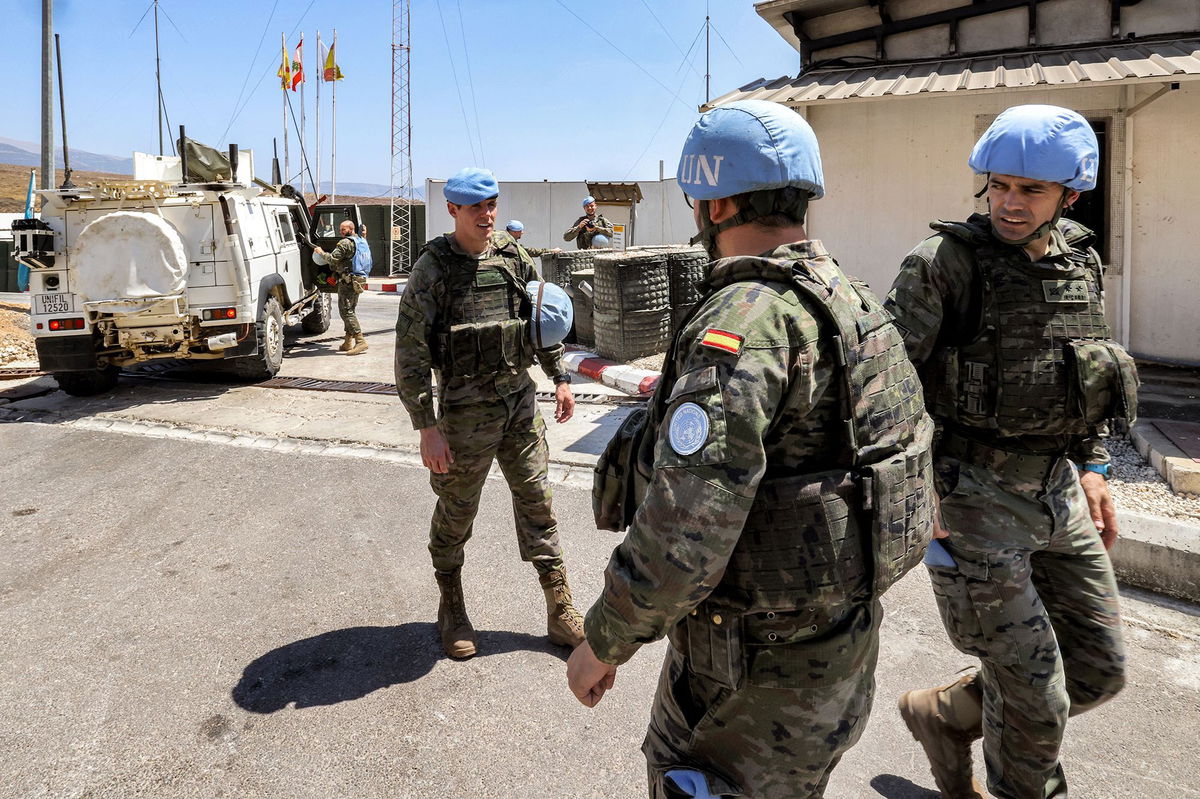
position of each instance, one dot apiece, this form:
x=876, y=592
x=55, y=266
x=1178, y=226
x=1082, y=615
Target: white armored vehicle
x=210, y=266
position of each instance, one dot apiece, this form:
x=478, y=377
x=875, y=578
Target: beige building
x=898, y=91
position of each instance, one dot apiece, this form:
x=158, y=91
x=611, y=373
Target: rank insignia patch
x=719, y=339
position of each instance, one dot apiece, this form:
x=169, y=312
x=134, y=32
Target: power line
x=471, y=82
x=663, y=121
x=253, y=63
x=727, y=47
x=669, y=36
x=627, y=57
x=457, y=85
x=267, y=72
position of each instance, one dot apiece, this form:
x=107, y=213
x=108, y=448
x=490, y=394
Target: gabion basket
x=582, y=287
x=557, y=267
x=632, y=282
x=685, y=268
x=624, y=336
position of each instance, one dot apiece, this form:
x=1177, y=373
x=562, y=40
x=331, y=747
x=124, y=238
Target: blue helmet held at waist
x=1040, y=142
x=552, y=315
x=600, y=242
x=750, y=145
x=471, y=185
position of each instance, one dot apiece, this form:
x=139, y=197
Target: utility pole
x=47, y=95
x=400, y=240
x=158, y=79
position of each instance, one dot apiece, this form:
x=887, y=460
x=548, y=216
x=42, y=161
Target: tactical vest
x=483, y=327
x=815, y=546
x=1044, y=361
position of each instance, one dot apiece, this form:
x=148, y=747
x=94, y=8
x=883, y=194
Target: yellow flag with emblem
x=332, y=71
x=285, y=69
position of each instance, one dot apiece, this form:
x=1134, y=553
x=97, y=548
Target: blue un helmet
x=750, y=146
x=600, y=242
x=471, y=185
x=1040, y=142
x=514, y=225
x=552, y=315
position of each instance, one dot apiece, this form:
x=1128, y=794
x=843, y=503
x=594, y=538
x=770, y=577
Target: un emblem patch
x=689, y=429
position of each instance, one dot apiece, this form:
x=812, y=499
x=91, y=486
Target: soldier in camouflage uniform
x=588, y=226
x=513, y=231
x=1004, y=317
x=464, y=316
x=342, y=261
x=748, y=547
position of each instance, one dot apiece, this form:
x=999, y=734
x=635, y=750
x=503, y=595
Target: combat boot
x=945, y=721
x=458, y=636
x=564, y=625
x=360, y=345
x=347, y=343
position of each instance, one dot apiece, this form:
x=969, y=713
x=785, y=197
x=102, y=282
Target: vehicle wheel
x=88, y=384
x=318, y=319
x=266, y=363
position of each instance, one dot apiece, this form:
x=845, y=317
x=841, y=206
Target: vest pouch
x=899, y=495
x=940, y=373
x=715, y=646
x=463, y=345
x=1101, y=381
x=835, y=653
x=613, y=489
x=516, y=349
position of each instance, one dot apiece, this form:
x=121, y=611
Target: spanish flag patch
x=721, y=340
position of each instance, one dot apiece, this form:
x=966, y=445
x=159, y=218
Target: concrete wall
x=549, y=208
x=893, y=165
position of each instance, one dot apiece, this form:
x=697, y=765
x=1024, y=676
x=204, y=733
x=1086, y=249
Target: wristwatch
x=565, y=377
x=1103, y=469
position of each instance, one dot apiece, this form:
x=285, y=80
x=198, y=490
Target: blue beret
x=553, y=314
x=514, y=224
x=1040, y=142
x=470, y=186
x=750, y=145
x=588, y=200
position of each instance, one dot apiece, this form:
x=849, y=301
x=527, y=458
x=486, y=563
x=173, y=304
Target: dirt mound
x=16, y=342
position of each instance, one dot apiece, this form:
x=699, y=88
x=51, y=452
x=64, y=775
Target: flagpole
x=333, y=132
x=287, y=169
x=320, y=76
x=303, y=126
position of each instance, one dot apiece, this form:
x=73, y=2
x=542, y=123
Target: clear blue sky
x=545, y=96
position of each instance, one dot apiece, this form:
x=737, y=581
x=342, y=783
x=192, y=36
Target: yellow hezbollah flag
x=285, y=69
x=332, y=71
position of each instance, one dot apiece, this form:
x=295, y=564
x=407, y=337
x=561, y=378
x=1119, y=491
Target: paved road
x=195, y=620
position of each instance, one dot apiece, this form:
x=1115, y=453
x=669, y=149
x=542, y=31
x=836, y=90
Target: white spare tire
x=128, y=255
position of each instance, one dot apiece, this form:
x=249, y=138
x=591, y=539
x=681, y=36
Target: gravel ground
x=1137, y=486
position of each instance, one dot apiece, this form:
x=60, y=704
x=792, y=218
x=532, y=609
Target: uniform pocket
x=973, y=600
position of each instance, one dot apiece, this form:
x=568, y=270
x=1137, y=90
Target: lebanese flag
x=298, y=65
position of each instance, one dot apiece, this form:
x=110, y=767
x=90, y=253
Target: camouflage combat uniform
x=501, y=238
x=583, y=238
x=350, y=285
x=748, y=551
x=484, y=412
x=1033, y=595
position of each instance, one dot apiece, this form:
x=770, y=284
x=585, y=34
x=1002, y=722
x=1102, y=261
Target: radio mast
x=400, y=240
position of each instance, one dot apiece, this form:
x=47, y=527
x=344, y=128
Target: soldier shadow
x=344, y=665
x=604, y=428
x=893, y=787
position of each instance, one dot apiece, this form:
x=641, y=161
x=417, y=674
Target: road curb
x=1159, y=554
x=1181, y=472
x=387, y=285
x=633, y=381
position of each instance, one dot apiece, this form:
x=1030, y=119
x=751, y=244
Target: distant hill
x=14, y=180
x=367, y=190
x=21, y=153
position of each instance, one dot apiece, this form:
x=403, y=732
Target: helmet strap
x=758, y=204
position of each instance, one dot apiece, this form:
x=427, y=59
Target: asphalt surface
x=187, y=619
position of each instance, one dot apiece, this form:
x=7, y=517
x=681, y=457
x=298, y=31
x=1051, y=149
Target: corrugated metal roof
x=1116, y=62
